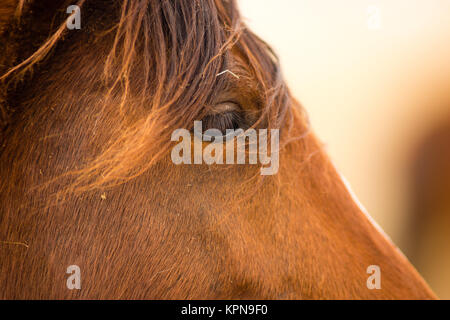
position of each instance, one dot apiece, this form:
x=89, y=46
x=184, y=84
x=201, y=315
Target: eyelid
x=224, y=107
x=223, y=116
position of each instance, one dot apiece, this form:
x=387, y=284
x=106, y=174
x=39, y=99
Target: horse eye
x=227, y=115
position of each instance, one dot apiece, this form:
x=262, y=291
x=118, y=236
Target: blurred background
x=374, y=77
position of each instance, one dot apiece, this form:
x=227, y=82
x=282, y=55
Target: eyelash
x=224, y=121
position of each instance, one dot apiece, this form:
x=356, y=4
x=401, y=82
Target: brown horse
x=86, y=176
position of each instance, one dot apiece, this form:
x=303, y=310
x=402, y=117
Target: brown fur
x=86, y=177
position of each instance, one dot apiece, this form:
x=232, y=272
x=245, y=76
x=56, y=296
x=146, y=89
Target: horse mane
x=178, y=48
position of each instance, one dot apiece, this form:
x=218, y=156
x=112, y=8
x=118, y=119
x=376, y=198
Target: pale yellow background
x=371, y=94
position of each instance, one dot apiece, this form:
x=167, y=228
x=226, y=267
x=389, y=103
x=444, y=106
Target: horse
x=88, y=187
